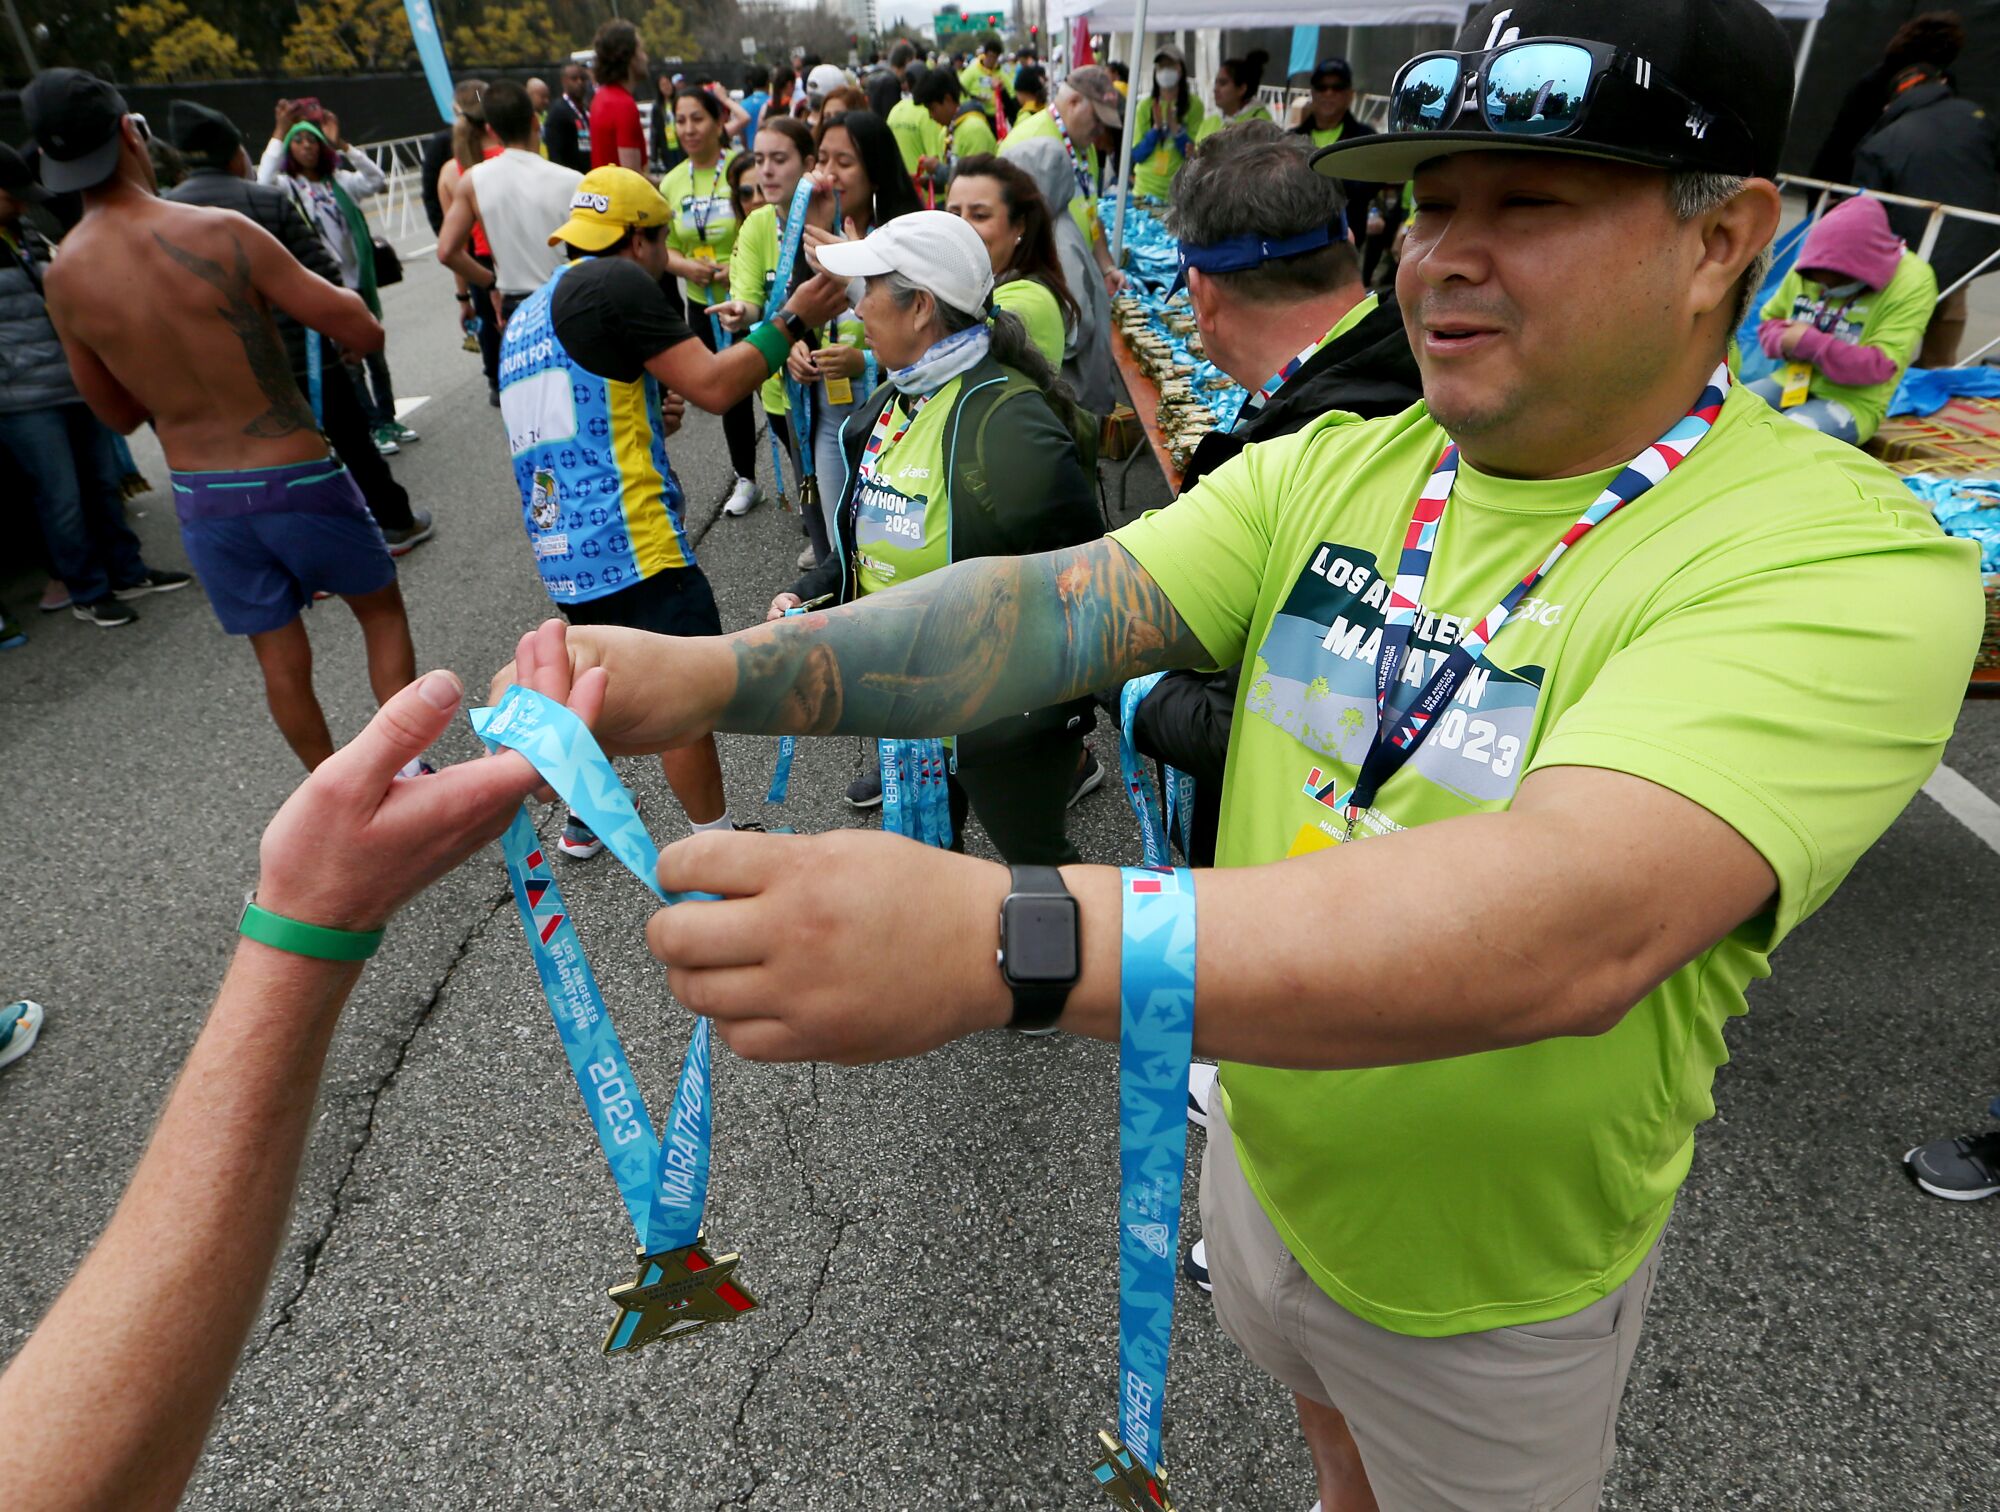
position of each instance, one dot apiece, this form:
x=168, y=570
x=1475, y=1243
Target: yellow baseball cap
x=608, y=203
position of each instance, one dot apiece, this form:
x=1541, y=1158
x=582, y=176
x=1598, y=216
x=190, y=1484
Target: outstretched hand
x=355, y=841
x=658, y=692
x=756, y=961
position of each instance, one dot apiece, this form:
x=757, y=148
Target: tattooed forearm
x=956, y=649
x=265, y=354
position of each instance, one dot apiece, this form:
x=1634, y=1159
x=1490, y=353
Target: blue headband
x=1237, y=253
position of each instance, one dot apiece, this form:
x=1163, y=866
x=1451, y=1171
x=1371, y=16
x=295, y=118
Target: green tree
x=169, y=44
x=520, y=32
x=349, y=36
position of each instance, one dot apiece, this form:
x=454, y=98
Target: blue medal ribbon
x=662, y=1179
x=781, y=774
x=916, y=790
x=1139, y=790
x=315, y=366
x=1156, y=984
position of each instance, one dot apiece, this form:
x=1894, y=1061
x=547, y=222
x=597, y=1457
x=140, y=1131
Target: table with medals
x=1178, y=395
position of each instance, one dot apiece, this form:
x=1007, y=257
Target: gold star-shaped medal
x=676, y=1292
x=1129, y=1484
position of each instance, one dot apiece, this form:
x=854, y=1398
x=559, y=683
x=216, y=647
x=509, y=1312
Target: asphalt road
x=932, y=1241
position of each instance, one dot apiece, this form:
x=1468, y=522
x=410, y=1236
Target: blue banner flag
x=430, y=51
x=1305, y=51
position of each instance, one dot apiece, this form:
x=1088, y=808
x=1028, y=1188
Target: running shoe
x=153, y=582
x=749, y=827
x=385, y=441
x=742, y=498
x=54, y=598
x=1089, y=778
x=1201, y=1089
x=1960, y=1170
x=11, y=634
x=808, y=559
x=107, y=613
x=1195, y=1266
x=865, y=791
x=420, y=529
x=19, y=1025
x=579, y=841
x=400, y=433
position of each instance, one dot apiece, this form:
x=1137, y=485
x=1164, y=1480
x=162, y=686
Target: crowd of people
x=1676, y=758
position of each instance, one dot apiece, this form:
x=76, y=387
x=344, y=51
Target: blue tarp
x=1966, y=507
x=1925, y=391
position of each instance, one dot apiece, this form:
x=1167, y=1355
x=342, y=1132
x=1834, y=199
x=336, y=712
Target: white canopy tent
x=1140, y=16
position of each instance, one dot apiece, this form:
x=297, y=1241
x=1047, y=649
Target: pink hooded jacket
x=1852, y=240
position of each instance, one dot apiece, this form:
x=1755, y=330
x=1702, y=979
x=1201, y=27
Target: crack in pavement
x=842, y=1222
x=337, y=1208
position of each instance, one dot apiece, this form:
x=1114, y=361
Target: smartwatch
x=1041, y=947
x=792, y=324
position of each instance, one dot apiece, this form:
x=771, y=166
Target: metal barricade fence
x=399, y=209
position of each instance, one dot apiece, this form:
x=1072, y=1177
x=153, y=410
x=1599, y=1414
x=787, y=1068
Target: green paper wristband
x=771, y=342
x=299, y=938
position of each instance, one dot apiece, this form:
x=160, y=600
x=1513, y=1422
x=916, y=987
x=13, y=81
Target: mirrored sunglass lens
x=1425, y=95
x=1538, y=89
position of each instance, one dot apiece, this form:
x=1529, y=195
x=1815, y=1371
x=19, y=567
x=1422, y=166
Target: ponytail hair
x=468, y=126
x=1248, y=73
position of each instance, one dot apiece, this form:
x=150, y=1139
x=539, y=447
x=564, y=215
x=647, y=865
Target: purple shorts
x=264, y=539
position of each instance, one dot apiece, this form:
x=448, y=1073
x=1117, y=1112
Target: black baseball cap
x=1689, y=86
x=75, y=118
x=17, y=178
x=206, y=138
x=1338, y=69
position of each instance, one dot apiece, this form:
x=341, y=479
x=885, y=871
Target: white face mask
x=1167, y=78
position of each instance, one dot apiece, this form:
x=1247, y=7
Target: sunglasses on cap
x=1552, y=86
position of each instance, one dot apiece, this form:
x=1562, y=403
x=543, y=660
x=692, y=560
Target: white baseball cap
x=825, y=79
x=932, y=249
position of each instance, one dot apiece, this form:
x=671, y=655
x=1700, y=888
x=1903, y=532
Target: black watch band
x=1041, y=946
x=792, y=324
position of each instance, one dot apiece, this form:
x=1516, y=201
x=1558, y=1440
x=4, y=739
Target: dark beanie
x=206, y=138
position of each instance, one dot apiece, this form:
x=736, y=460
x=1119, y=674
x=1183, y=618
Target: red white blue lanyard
x=1396, y=740
x=1076, y=163
x=871, y=454
x=1256, y=402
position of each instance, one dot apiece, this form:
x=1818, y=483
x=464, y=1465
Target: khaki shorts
x=1510, y=1418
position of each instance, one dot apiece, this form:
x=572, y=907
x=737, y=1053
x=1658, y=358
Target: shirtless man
x=164, y=311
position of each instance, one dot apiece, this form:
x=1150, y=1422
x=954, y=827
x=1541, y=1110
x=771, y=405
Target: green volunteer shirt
x=969, y=135
x=1778, y=632
x=1039, y=312
x=1328, y=137
x=1216, y=122
x=1892, y=320
x=753, y=266
x=704, y=221
x=1154, y=178
x=1082, y=207
x=917, y=135
x=902, y=505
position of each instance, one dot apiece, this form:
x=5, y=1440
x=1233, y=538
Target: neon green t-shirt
x=753, y=265
x=1082, y=207
x=980, y=83
x=902, y=514
x=704, y=220
x=1328, y=138
x=1892, y=320
x=970, y=135
x=1154, y=177
x=1779, y=632
x=1039, y=312
x=917, y=135
x=1215, y=123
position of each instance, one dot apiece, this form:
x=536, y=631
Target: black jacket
x=1184, y=722
x=560, y=135
x=1368, y=371
x=1021, y=483
x=1932, y=145
x=437, y=152
x=1358, y=191
x=277, y=213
